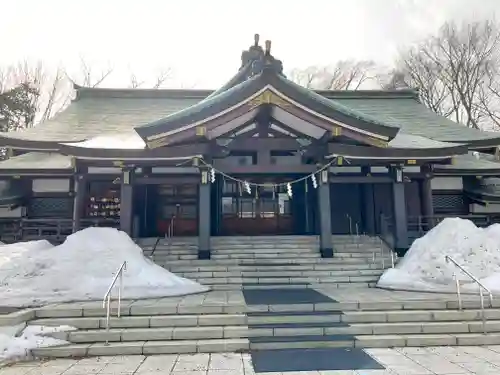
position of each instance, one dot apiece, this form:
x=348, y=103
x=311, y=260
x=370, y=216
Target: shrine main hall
x=260, y=156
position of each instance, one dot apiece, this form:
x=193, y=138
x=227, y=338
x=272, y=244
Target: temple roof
x=102, y=112
x=472, y=163
x=33, y=163
x=146, y=118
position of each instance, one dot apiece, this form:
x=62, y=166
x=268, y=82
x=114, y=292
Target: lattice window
x=51, y=208
x=449, y=203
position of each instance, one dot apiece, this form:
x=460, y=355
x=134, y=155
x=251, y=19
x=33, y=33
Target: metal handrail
x=106, y=302
x=481, y=287
x=154, y=247
x=170, y=228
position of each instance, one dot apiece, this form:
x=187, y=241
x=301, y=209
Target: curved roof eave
x=28, y=144
x=237, y=95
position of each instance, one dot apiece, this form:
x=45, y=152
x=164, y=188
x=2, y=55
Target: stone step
x=265, y=267
x=153, y=334
x=333, y=328
x=372, y=341
x=263, y=273
x=286, y=280
x=221, y=287
x=386, y=316
x=282, y=261
x=143, y=347
x=152, y=321
x=284, y=255
x=147, y=309
x=262, y=249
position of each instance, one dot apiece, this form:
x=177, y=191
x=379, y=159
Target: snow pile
x=82, y=268
x=424, y=266
x=16, y=345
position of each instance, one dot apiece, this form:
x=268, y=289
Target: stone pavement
x=405, y=361
x=234, y=299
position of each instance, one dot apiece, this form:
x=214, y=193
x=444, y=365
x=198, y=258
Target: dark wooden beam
x=258, y=169
x=260, y=144
x=180, y=179
x=190, y=149
x=360, y=179
x=388, y=152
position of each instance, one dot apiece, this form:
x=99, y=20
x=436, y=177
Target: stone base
x=326, y=252
x=203, y=254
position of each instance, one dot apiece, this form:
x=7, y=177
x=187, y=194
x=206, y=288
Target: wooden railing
x=55, y=230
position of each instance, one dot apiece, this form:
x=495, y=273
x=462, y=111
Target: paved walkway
x=234, y=299
x=405, y=361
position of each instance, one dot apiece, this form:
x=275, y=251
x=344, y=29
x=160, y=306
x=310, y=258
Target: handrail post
x=108, y=315
x=107, y=298
x=481, y=289
x=459, y=296
x=483, y=313
x=382, y=255
x=357, y=235
x=120, y=287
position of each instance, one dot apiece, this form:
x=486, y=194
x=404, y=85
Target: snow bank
x=424, y=266
x=36, y=272
x=18, y=346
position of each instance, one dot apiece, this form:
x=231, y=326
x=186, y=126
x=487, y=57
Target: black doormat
x=333, y=359
x=284, y=296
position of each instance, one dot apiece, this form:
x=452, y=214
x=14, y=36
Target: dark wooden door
x=177, y=207
x=346, y=203
x=265, y=212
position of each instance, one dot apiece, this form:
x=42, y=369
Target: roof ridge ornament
x=258, y=58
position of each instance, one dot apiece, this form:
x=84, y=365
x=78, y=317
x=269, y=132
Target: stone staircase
x=162, y=329
x=147, y=329
x=382, y=325
x=271, y=262
x=271, y=293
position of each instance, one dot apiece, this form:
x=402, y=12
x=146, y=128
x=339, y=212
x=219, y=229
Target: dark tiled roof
x=414, y=118
x=91, y=116
x=472, y=161
x=37, y=160
x=108, y=111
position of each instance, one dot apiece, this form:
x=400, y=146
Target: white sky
x=201, y=40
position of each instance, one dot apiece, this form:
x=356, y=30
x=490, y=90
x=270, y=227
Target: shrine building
x=261, y=155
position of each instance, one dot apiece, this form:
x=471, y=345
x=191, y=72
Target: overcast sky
x=201, y=40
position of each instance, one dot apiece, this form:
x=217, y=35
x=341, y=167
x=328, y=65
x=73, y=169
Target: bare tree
x=162, y=76
x=344, y=75
x=50, y=85
x=88, y=75
x=455, y=71
x=134, y=82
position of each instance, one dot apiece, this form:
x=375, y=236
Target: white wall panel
x=46, y=185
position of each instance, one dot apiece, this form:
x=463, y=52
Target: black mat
x=284, y=296
x=333, y=359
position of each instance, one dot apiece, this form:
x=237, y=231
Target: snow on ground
x=16, y=342
x=424, y=266
x=36, y=272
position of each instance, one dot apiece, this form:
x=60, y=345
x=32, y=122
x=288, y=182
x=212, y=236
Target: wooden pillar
x=79, y=193
x=426, y=198
x=399, y=206
x=325, y=216
x=368, y=208
x=204, y=216
x=126, y=200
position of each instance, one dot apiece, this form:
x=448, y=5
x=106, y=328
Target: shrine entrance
x=267, y=210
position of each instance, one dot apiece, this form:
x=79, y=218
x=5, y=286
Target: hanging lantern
x=212, y=175
x=314, y=181
x=289, y=190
